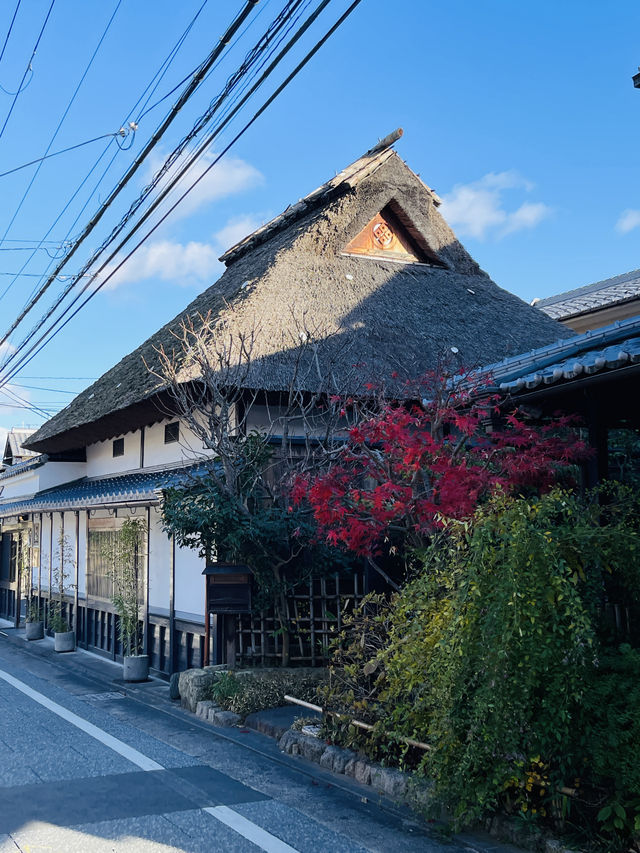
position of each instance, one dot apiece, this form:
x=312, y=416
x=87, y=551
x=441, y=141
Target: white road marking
x=244, y=827
x=113, y=743
x=258, y=836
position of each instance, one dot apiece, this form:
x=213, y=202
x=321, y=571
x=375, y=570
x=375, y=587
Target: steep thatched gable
x=296, y=279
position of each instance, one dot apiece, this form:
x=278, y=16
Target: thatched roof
x=292, y=279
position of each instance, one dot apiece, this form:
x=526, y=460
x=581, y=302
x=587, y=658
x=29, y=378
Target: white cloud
x=228, y=177
x=629, y=219
x=235, y=230
x=181, y=263
x=478, y=209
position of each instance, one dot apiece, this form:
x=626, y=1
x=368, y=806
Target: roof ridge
x=542, y=357
x=360, y=168
x=588, y=288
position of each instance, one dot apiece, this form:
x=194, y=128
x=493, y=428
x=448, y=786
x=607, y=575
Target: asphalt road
x=90, y=764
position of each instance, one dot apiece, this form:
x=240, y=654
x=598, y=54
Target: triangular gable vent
x=391, y=235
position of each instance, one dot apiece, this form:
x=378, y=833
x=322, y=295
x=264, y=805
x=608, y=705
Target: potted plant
x=124, y=555
x=64, y=637
x=34, y=624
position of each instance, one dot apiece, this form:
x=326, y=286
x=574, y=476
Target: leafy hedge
x=246, y=693
x=496, y=655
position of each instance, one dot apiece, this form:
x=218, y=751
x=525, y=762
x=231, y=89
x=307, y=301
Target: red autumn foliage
x=407, y=467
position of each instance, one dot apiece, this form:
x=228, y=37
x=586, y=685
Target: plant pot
x=136, y=667
x=34, y=630
x=65, y=641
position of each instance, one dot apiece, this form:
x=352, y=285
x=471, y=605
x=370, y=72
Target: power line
x=40, y=388
x=28, y=68
x=60, y=123
x=4, y=46
x=8, y=392
x=63, y=378
x=51, y=333
x=193, y=84
x=150, y=89
x=122, y=132
x=252, y=56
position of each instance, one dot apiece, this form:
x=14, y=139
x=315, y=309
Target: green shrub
x=247, y=692
x=494, y=655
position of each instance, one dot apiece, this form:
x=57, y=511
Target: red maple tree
x=411, y=465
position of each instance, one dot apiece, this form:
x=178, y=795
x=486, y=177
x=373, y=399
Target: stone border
x=400, y=787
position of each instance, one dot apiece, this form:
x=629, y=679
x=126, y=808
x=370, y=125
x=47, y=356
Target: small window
x=118, y=447
x=171, y=432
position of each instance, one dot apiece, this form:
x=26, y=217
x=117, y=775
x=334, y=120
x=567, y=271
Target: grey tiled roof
x=139, y=488
x=34, y=460
x=601, y=294
x=608, y=348
x=13, y=448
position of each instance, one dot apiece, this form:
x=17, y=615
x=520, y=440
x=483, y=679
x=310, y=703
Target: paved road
x=88, y=764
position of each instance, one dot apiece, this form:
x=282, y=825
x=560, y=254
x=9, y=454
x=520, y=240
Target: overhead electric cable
x=291, y=7
x=120, y=132
x=8, y=392
x=36, y=292
x=4, y=46
x=148, y=92
x=28, y=68
x=193, y=84
x=51, y=333
x=60, y=123
x=114, y=233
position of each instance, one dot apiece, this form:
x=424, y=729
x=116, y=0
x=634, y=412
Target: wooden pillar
x=145, y=637
x=50, y=567
x=172, y=606
x=39, y=561
x=230, y=639
x=77, y=578
x=597, y=467
x=62, y=563
x=19, y=569
x=86, y=580
x=207, y=621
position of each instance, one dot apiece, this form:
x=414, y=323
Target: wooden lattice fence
x=315, y=612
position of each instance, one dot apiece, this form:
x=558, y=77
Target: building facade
x=361, y=281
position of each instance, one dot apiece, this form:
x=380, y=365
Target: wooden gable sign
x=388, y=235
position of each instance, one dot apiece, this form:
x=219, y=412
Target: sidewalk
x=258, y=735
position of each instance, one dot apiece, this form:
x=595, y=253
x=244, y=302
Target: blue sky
x=523, y=117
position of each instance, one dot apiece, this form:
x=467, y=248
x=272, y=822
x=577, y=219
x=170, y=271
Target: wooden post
x=207, y=635
x=77, y=556
x=62, y=564
x=230, y=639
x=39, y=561
x=598, y=464
x=19, y=560
x=86, y=580
x=145, y=649
x=172, y=606
x=50, y=567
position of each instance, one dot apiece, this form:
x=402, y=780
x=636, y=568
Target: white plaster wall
x=69, y=557
x=22, y=485
x=263, y=418
x=159, y=566
x=156, y=452
x=82, y=556
x=45, y=550
x=189, y=598
x=100, y=458
x=55, y=473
